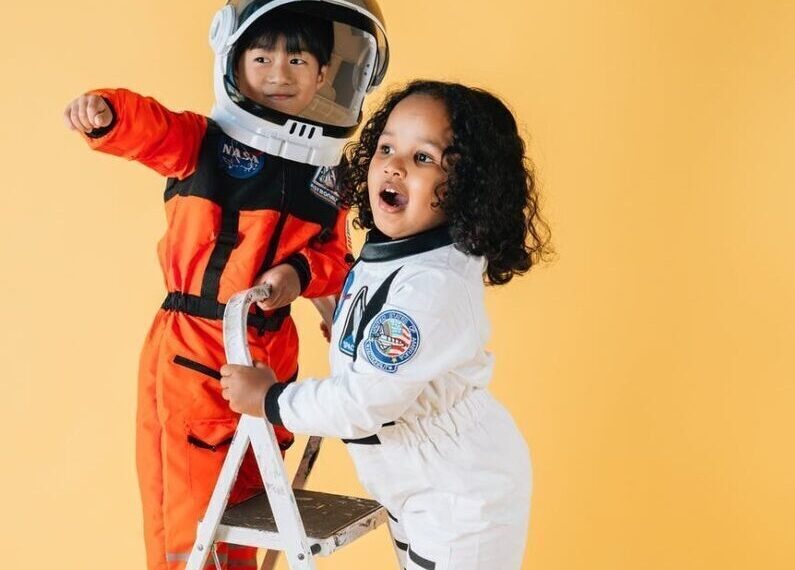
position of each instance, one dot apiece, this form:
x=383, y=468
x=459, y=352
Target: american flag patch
x=394, y=338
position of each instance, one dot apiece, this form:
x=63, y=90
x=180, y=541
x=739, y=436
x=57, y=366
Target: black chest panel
x=237, y=177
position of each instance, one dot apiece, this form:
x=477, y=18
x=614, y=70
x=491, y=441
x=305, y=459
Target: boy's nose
x=279, y=73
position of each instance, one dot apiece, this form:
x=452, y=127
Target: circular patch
x=238, y=160
x=394, y=338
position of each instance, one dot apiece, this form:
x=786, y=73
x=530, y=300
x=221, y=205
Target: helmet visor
x=357, y=62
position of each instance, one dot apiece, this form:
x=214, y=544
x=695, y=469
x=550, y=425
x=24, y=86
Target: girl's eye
x=384, y=149
x=297, y=61
x=260, y=59
x=423, y=158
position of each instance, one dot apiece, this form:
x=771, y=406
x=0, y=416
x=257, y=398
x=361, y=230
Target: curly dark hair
x=490, y=198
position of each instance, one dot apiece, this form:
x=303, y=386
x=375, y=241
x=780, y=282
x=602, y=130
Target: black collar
x=379, y=247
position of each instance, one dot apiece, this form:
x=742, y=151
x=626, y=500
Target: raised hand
x=87, y=112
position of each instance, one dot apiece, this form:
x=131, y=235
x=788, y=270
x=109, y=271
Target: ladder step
x=331, y=521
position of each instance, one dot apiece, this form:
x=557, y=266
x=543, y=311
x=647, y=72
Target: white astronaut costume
x=407, y=393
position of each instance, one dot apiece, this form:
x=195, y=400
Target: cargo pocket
x=198, y=391
x=208, y=444
x=197, y=367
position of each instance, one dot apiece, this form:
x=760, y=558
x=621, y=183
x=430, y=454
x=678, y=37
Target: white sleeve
x=424, y=329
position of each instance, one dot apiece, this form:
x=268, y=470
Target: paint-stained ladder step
x=331, y=521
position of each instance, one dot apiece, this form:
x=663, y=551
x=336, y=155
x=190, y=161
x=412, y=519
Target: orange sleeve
x=146, y=131
x=326, y=263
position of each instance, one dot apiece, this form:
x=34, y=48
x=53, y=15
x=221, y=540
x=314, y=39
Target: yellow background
x=650, y=367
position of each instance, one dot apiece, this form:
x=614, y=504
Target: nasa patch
x=324, y=185
x=238, y=160
x=394, y=338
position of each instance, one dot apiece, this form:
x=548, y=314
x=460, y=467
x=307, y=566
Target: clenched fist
x=87, y=112
x=244, y=387
x=285, y=286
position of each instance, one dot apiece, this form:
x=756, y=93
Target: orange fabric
x=149, y=133
x=176, y=477
x=183, y=424
x=327, y=263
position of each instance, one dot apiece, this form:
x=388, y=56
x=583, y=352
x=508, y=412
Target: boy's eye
x=297, y=61
x=261, y=59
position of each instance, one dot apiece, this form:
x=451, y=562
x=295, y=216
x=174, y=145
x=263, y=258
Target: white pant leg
x=460, y=490
x=399, y=540
x=498, y=547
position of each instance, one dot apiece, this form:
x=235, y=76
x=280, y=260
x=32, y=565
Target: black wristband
x=272, y=412
x=301, y=266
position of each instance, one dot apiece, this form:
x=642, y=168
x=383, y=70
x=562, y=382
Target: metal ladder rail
x=325, y=306
x=266, y=451
x=308, y=459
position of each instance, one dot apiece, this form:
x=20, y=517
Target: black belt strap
x=224, y=244
x=370, y=439
x=212, y=309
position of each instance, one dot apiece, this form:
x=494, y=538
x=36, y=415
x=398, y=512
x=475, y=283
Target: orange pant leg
x=185, y=428
x=148, y=453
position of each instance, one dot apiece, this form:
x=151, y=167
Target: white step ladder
x=302, y=524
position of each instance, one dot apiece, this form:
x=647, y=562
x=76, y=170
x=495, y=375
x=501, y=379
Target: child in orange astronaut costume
x=250, y=198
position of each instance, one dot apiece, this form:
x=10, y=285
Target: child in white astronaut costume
x=440, y=179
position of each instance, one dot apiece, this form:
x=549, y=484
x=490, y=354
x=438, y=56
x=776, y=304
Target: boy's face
x=286, y=82
x=407, y=168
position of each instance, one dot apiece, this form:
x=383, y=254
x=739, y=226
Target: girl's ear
x=441, y=193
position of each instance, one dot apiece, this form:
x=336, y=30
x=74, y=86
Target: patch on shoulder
x=324, y=185
x=238, y=160
x=394, y=338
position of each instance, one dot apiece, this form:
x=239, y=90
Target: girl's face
x=406, y=169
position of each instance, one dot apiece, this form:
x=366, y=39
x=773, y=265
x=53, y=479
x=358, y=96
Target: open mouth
x=393, y=199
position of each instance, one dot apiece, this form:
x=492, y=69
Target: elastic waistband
x=212, y=309
x=456, y=419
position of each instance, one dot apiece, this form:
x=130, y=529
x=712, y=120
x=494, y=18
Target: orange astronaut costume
x=232, y=212
x=249, y=189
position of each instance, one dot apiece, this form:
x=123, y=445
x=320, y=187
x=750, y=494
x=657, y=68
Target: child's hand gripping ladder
x=301, y=523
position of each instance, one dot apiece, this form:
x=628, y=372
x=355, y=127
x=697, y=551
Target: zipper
x=197, y=367
x=277, y=232
x=193, y=440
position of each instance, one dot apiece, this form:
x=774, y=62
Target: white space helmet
x=358, y=65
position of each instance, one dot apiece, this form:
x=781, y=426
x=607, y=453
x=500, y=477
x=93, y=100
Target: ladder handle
x=236, y=323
